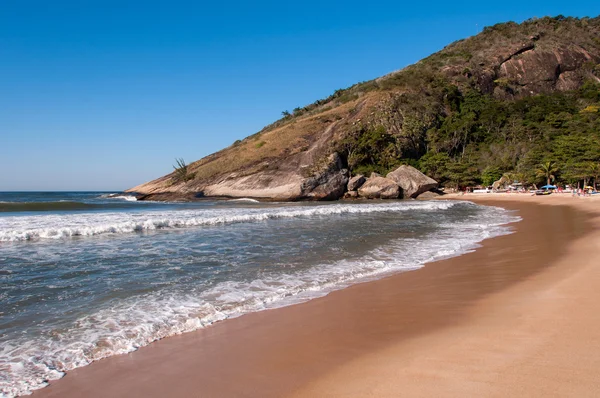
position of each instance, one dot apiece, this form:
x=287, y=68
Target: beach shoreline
x=348, y=342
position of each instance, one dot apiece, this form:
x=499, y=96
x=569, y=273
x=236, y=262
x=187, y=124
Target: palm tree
x=593, y=170
x=547, y=170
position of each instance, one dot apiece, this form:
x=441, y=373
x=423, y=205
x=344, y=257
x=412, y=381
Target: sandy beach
x=517, y=317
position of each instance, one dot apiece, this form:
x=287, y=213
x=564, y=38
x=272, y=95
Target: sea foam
x=135, y=322
x=18, y=228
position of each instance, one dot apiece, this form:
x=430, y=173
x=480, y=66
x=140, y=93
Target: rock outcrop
x=537, y=70
x=356, y=182
x=412, y=181
x=380, y=188
x=328, y=184
x=429, y=195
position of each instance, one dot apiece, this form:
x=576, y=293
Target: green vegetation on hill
x=461, y=132
x=478, y=138
x=445, y=118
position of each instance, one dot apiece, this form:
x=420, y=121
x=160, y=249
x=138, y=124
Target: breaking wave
x=72, y=225
x=137, y=321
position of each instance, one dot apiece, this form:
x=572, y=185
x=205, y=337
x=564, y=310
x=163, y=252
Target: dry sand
x=517, y=317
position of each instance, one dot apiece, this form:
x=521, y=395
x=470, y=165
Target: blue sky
x=103, y=95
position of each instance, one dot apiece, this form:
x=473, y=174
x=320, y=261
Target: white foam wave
x=136, y=322
x=244, y=200
x=124, y=197
x=18, y=228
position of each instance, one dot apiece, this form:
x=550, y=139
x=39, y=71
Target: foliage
x=466, y=137
x=490, y=175
x=182, y=173
x=370, y=149
x=547, y=170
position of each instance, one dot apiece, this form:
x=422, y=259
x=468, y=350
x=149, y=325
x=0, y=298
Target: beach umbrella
x=549, y=187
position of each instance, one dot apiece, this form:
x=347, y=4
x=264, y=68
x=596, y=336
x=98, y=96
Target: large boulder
x=327, y=184
x=379, y=188
x=356, y=182
x=429, y=195
x=412, y=181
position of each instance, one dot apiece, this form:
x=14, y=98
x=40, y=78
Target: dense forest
x=477, y=138
x=443, y=117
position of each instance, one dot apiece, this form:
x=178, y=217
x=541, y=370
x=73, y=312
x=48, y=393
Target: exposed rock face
x=412, y=181
x=428, y=195
x=380, y=188
x=374, y=174
x=351, y=195
x=534, y=70
x=277, y=186
x=356, y=182
x=329, y=184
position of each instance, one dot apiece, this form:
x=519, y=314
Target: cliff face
x=307, y=155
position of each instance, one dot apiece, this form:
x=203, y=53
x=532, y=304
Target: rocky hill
x=500, y=102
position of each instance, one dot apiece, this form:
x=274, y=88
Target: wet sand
x=515, y=318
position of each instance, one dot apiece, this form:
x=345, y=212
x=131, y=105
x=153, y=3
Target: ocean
x=87, y=275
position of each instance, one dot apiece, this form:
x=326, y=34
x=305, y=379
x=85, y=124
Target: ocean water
x=84, y=276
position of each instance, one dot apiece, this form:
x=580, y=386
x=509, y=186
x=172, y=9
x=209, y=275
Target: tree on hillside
x=593, y=170
x=547, y=169
x=490, y=175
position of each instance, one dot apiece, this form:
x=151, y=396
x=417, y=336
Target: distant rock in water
x=412, y=181
x=380, y=188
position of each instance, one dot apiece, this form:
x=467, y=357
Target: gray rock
x=351, y=195
x=428, y=195
x=356, y=182
x=374, y=174
x=328, y=184
x=379, y=188
x=412, y=181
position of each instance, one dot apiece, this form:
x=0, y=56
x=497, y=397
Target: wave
x=128, y=198
x=46, y=206
x=244, y=200
x=136, y=322
x=122, y=223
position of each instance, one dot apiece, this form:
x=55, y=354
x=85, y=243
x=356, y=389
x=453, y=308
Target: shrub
x=181, y=171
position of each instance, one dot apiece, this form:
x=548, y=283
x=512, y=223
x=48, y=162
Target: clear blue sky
x=103, y=95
